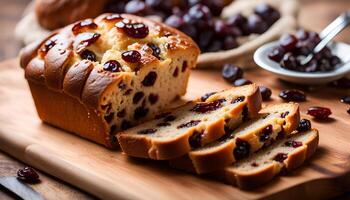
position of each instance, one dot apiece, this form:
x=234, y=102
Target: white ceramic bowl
x=342, y=50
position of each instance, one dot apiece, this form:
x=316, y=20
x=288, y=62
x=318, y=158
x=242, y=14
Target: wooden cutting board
x=111, y=175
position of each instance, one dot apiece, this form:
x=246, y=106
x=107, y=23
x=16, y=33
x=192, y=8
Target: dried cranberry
x=230, y=43
x=267, y=12
x=195, y=139
x=304, y=125
x=241, y=82
x=284, y=115
x=238, y=99
x=206, y=96
x=319, y=112
x=135, y=30
x=147, y=131
x=121, y=113
x=294, y=144
x=184, y=66
x=231, y=72
x=153, y=98
x=254, y=164
x=189, y=124
x=265, y=133
x=28, y=175
x=289, y=61
x=162, y=124
x=88, y=55
x=265, y=93
x=293, y=95
x=256, y=24
x=288, y=42
x=302, y=34
x=137, y=97
x=155, y=50
x=280, y=157
x=176, y=72
x=112, y=66
x=83, y=25
x=150, y=79
x=140, y=112
x=345, y=99
x=242, y=149
x=131, y=56
x=208, y=106
x=276, y=54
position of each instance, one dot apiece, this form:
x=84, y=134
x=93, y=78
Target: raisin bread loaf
x=96, y=77
x=194, y=124
x=281, y=157
x=273, y=122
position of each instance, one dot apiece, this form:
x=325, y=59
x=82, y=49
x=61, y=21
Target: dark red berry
x=147, y=131
x=207, y=95
x=293, y=95
x=256, y=24
x=155, y=50
x=47, y=46
x=137, y=97
x=254, y=164
x=304, y=125
x=131, y=56
x=136, y=7
x=242, y=149
x=345, y=99
x=140, y=112
x=189, y=124
x=276, y=54
x=184, y=66
x=288, y=42
x=125, y=125
x=208, y=106
x=319, y=112
x=289, y=61
x=280, y=157
x=265, y=93
x=195, y=139
x=135, y=30
x=83, y=26
x=112, y=66
x=149, y=79
x=85, y=40
x=302, y=34
x=241, y=82
x=153, y=98
x=348, y=111
x=265, y=133
x=28, y=175
x=231, y=72
x=88, y=55
x=294, y=144
x=284, y=115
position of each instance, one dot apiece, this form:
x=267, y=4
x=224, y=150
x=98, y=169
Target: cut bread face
x=273, y=122
x=192, y=125
x=283, y=156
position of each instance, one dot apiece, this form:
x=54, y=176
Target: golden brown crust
x=178, y=146
x=249, y=180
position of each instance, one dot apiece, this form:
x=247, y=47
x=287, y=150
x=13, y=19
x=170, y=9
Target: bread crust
x=163, y=150
x=251, y=180
x=54, y=66
x=208, y=161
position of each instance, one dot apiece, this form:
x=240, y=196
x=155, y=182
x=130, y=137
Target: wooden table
x=315, y=14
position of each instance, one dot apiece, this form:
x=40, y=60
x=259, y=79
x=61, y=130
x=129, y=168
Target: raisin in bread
x=96, y=77
x=273, y=121
x=194, y=124
x=281, y=157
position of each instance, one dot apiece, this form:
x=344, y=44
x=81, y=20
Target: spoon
x=315, y=78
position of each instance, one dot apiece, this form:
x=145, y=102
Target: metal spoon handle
x=338, y=21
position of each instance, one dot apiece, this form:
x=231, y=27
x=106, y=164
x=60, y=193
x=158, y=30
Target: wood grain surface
x=315, y=14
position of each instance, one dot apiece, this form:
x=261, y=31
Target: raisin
x=140, y=112
x=189, y=124
x=125, y=125
x=265, y=133
x=284, y=115
x=137, y=97
x=242, y=149
x=109, y=117
x=88, y=55
x=155, y=50
x=149, y=79
x=231, y=72
x=121, y=113
x=162, y=115
x=206, y=96
x=86, y=40
x=28, y=175
x=280, y=135
x=195, y=139
x=112, y=66
x=238, y=99
x=131, y=56
x=153, y=98
x=241, y=82
x=280, y=157
x=161, y=124
x=82, y=25
x=169, y=118
x=319, y=112
x=176, y=72
x=254, y=164
x=304, y=125
x=47, y=46
x=147, y=131
x=294, y=144
x=345, y=99
x=265, y=93
x=208, y=106
x=184, y=66
x=293, y=95
x=135, y=30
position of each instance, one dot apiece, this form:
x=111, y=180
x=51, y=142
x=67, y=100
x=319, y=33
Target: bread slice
x=273, y=121
x=192, y=125
x=283, y=156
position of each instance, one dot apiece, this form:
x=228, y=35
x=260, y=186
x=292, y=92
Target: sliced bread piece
x=273, y=121
x=283, y=156
x=192, y=125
